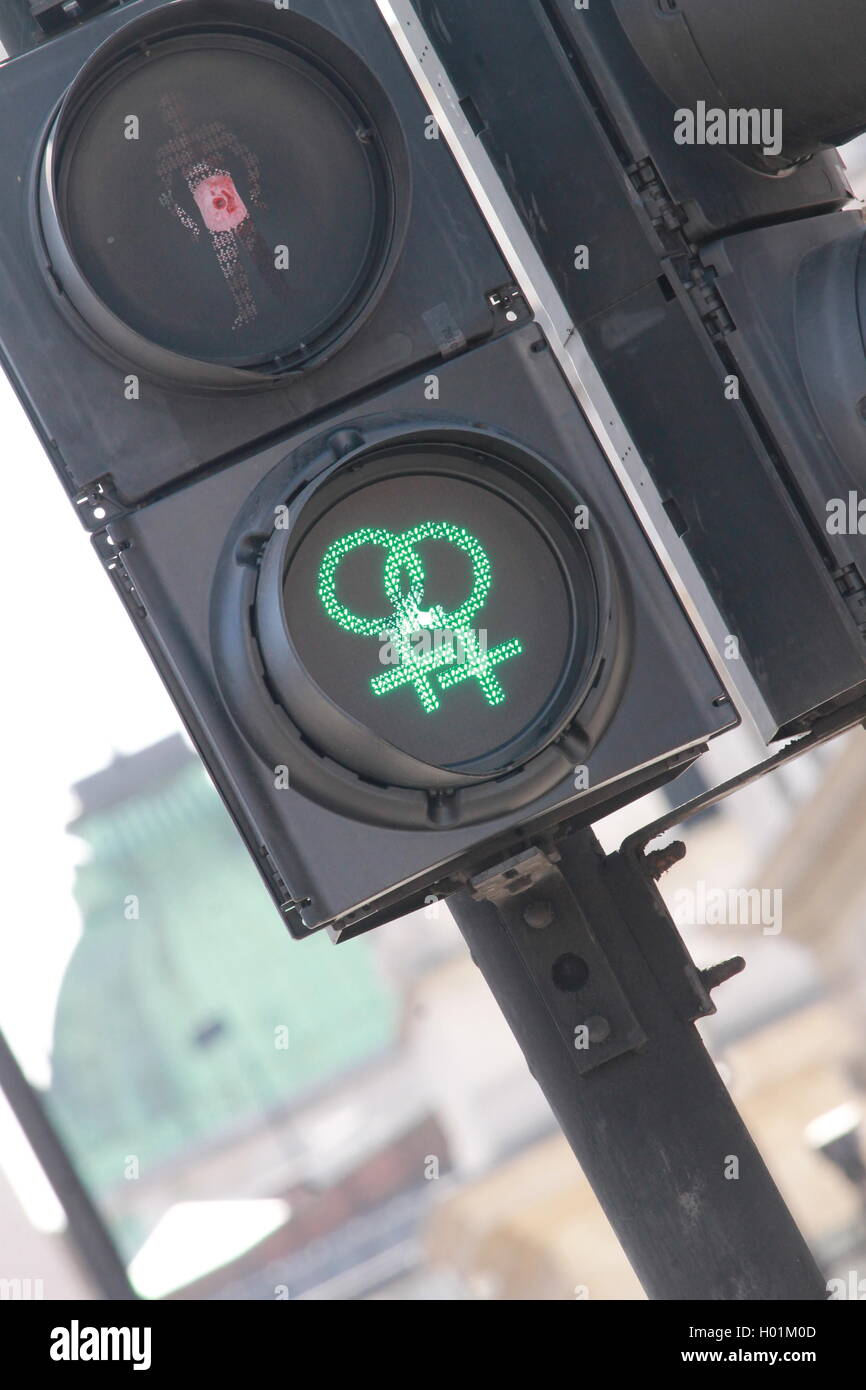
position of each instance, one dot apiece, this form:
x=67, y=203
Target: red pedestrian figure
x=199, y=156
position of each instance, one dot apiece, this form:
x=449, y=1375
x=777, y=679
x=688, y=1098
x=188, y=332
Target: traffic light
x=140, y=269
x=678, y=182
x=326, y=453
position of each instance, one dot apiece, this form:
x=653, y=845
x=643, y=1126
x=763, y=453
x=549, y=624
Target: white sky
x=77, y=687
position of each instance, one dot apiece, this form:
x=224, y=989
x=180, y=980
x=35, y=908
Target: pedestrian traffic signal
x=123, y=135
x=175, y=269
x=428, y=614
x=678, y=183
x=326, y=453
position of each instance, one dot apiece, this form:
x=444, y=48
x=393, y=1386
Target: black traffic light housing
x=766, y=55
x=284, y=373
x=652, y=242
x=134, y=420
x=349, y=828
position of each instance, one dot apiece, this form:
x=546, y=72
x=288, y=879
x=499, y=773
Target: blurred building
x=204, y=1065
x=200, y=1056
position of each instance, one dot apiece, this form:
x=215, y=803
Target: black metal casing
x=322, y=867
x=178, y=483
x=74, y=387
x=593, y=163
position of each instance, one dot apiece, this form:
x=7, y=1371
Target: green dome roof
x=186, y=1008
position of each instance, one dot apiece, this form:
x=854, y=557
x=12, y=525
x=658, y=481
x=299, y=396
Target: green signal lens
x=334, y=556
x=449, y=651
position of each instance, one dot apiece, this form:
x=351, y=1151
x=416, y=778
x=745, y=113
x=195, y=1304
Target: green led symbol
x=454, y=654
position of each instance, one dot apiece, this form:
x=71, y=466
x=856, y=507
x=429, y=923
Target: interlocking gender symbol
x=449, y=652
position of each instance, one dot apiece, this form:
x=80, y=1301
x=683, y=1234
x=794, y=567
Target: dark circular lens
x=428, y=629
x=227, y=199
x=434, y=617
x=408, y=604
x=780, y=80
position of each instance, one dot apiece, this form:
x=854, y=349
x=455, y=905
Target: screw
x=597, y=1028
x=716, y=975
x=539, y=914
x=659, y=861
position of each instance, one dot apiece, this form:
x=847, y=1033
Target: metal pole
x=87, y=1229
x=600, y=993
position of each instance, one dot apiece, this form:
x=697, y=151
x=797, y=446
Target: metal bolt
x=597, y=1028
x=659, y=861
x=716, y=975
x=539, y=914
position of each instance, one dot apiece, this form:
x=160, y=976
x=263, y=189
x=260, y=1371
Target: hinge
x=708, y=302
x=666, y=216
x=849, y=582
x=668, y=219
x=120, y=574
x=287, y=904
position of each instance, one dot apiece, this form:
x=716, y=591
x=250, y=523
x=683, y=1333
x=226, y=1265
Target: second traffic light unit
x=672, y=164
